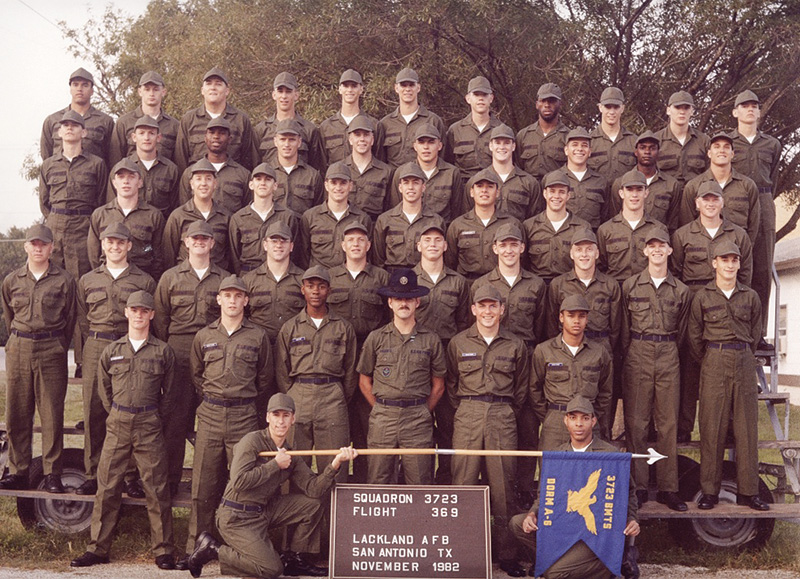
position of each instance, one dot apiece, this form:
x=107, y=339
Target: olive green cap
x=219, y=122
x=232, y=282
x=39, y=232
x=146, y=121
x=479, y=84
x=501, y=132
x=633, y=178
x=583, y=235
x=279, y=229
x=708, y=188
x=720, y=136
x=338, y=170
x=116, y=230
x=483, y=175
x=289, y=127
x=487, y=292
x=280, y=401
x=612, y=96
x=82, y=73
x=351, y=75
x=407, y=75
x=681, y=98
x=508, y=231
x=264, y=169
x=317, y=272
x=579, y=133
x=746, y=96
x=286, y=79
x=218, y=72
x=726, y=248
x=151, y=77
x=658, y=234
x=574, y=303
x=648, y=135
x=355, y=226
x=580, y=404
x=126, y=164
x=557, y=177
x=73, y=117
x=549, y=90
x=361, y=123
x=427, y=130
x=141, y=299
x=200, y=228
x=203, y=166
x=410, y=169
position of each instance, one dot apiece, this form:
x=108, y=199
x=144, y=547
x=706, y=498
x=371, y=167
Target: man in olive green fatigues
x=683, y=148
x=540, y=146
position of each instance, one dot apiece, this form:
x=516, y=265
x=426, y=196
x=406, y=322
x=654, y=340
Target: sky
x=37, y=60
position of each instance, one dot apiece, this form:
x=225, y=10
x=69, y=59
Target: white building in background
x=787, y=264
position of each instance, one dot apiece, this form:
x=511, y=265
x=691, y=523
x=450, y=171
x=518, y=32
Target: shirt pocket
x=641, y=315
x=214, y=363
x=245, y=363
x=469, y=368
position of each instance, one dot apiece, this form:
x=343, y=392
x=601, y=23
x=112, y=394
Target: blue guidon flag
x=583, y=496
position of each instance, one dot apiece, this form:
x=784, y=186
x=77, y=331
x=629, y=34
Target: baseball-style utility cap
x=39, y=232
x=279, y=229
x=549, y=90
x=73, y=117
x=501, y=132
x=361, y=123
x=721, y=136
x=218, y=72
x=410, y=169
x=200, y=228
x=263, y=169
x=574, y=303
x=82, y=73
x=580, y=404
x=579, y=133
x=483, y=175
x=339, y=170
x=708, y=188
x=141, y=299
x=203, y=166
x=317, y=272
x=583, y=235
x=612, y=96
x=633, y=178
x=557, y=177
x=116, y=230
x=680, y=98
x=289, y=127
x=407, y=75
x=280, y=401
x=487, y=292
x=286, y=79
x=433, y=227
x=657, y=234
x=232, y=282
x=403, y=284
x=648, y=135
x=151, y=77
x=146, y=121
x=727, y=248
x=220, y=122
x=746, y=96
x=351, y=75
x=479, y=84
x=508, y=231
x=126, y=164
x=427, y=130
x=355, y=226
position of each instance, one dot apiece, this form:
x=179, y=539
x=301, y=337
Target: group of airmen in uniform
x=464, y=287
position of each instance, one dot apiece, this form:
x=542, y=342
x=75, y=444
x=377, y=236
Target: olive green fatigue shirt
x=301, y=189
x=77, y=185
x=557, y=377
x=333, y=132
x=589, y=198
x=446, y=309
x=475, y=368
x=539, y=154
x=232, y=191
x=160, y=188
x=357, y=300
x=321, y=234
x=519, y=195
x=329, y=351
x=467, y=147
x=138, y=378
x=693, y=250
x=402, y=366
x=371, y=188
x=684, y=162
x=394, y=242
x=612, y=159
x=662, y=203
x=605, y=300
x=651, y=311
x=397, y=137
x=246, y=231
x=179, y=221
x=122, y=146
x=146, y=225
x=469, y=243
x=742, y=205
x=102, y=298
x=525, y=302
x=191, y=142
x=622, y=248
x=548, y=250
x=274, y=301
x=758, y=160
x=311, y=149
x=99, y=127
x=185, y=304
x=237, y=366
x=443, y=191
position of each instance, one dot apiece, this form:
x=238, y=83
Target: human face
x=217, y=139
x=720, y=153
x=203, y=184
x=578, y=151
x=81, y=91
x=146, y=139
x=71, y=132
x=215, y=91
x=232, y=301
x=361, y=141
x=350, y=92
x=403, y=308
x=315, y=291
x=199, y=245
x=727, y=267
x=432, y=245
x=411, y=188
x=747, y=113
x=479, y=102
x=646, y=153
x=484, y=193
x=657, y=252
x=548, y=109
x=287, y=145
x=126, y=183
x=285, y=98
x=579, y=426
x=355, y=245
x=279, y=423
x=427, y=149
x=680, y=115
x=38, y=251
x=584, y=255
x=152, y=95
x=278, y=249
x=115, y=249
x=556, y=197
x=139, y=318
x=509, y=251
x=488, y=313
x=709, y=206
x=263, y=186
x=573, y=323
x=611, y=114
x=502, y=149
x=408, y=91
x=633, y=197
x=338, y=189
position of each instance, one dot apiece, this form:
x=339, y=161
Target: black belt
x=490, y=398
x=561, y=407
x=402, y=403
x=727, y=346
x=765, y=190
x=230, y=402
x=654, y=337
x=697, y=281
x=38, y=335
x=241, y=506
x=134, y=409
x=317, y=380
x=247, y=267
x=595, y=335
x=59, y=211
x=110, y=336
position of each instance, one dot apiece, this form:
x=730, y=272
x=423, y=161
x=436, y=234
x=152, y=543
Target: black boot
x=206, y=548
